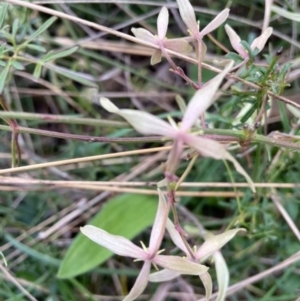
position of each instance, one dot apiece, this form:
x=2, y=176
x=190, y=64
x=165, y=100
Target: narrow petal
x=117, y=244
x=176, y=238
x=188, y=16
x=159, y=224
x=174, y=157
x=216, y=22
x=260, y=42
x=163, y=275
x=140, y=283
x=215, y=243
x=202, y=99
x=213, y=149
x=222, y=275
x=207, y=282
x=180, y=265
x=235, y=42
x=156, y=57
x=162, y=23
x=144, y=34
x=179, y=45
x=143, y=122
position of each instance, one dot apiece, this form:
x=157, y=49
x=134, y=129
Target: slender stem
x=61, y=119
x=84, y=137
x=199, y=54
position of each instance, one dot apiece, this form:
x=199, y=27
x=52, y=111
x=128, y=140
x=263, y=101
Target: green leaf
x=15, y=27
x=44, y=27
x=234, y=56
x=126, y=215
x=36, y=47
x=3, y=77
x=37, y=71
x=46, y=259
x=17, y=65
x=76, y=76
x=286, y=14
x=3, y=10
x=59, y=54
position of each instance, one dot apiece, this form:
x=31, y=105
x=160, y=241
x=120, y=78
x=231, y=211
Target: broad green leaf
x=3, y=10
x=3, y=77
x=126, y=215
x=59, y=54
x=43, y=27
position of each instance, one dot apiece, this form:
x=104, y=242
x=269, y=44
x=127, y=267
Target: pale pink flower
x=188, y=16
x=258, y=43
x=148, y=124
x=160, y=40
x=124, y=247
x=210, y=247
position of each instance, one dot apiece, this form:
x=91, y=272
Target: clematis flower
x=188, y=16
x=258, y=43
x=124, y=247
x=148, y=124
x=179, y=45
x=210, y=247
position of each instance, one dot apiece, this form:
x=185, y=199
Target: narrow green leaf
x=234, y=56
x=17, y=65
x=126, y=215
x=59, y=54
x=286, y=14
x=15, y=27
x=3, y=77
x=37, y=71
x=36, y=47
x=3, y=10
x=43, y=27
x=31, y=252
x=76, y=76
x=2, y=63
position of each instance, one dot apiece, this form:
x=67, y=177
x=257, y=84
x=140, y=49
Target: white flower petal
x=180, y=265
x=162, y=23
x=159, y=225
x=163, y=275
x=144, y=35
x=176, y=238
x=188, y=15
x=213, y=149
x=202, y=99
x=216, y=22
x=235, y=42
x=207, y=282
x=143, y=122
x=156, y=57
x=222, y=275
x=260, y=41
x=116, y=244
x=216, y=242
x=179, y=45
x=140, y=283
